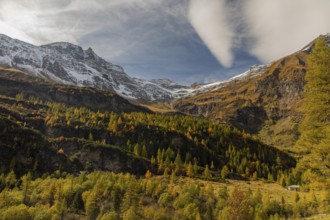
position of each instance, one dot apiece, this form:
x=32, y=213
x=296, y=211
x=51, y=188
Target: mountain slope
x=102, y=140
x=69, y=64
x=268, y=105
x=265, y=100
x=13, y=82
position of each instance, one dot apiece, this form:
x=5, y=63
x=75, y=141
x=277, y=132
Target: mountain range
x=81, y=139
x=264, y=101
x=70, y=64
x=267, y=105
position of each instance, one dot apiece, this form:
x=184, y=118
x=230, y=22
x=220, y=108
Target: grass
x=283, y=133
x=161, y=108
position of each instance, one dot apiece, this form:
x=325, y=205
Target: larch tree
x=207, y=174
x=224, y=172
x=238, y=206
x=315, y=127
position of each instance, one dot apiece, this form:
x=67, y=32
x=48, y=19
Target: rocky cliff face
x=267, y=104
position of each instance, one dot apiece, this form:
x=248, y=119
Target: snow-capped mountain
x=70, y=64
x=255, y=70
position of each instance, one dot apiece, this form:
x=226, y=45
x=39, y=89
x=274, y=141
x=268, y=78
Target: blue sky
x=183, y=40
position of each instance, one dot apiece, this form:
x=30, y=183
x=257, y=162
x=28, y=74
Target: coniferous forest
x=62, y=161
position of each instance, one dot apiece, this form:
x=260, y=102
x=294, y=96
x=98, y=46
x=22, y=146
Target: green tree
x=130, y=198
x=153, y=163
x=144, y=152
x=116, y=198
x=131, y=214
x=178, y=161
x=77, y=202
x=159, y=156
x=26, y=185
x=110, y=216
x=19, y=97
x=11, y=180
x=92, y=207
x=195, y=167
x=238, y=206
x=212, y=166
x=137, y=150
x=315, y=127
x=190, y=170
x=224, y=172
x=20, y=212
x=90, y=136
x=207, y=174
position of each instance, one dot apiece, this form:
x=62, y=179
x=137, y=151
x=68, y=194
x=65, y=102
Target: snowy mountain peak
x=163, y=81
x=90, y=52
x=63, y=45
x=67, y=63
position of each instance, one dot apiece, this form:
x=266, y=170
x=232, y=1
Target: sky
x=183, y=40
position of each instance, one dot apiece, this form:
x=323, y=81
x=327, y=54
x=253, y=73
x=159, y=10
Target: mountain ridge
x=263, y=101
x=15, y=82
x=68, y=63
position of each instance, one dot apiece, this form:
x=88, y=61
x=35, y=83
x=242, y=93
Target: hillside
x=52, y=154
x=13, y=81
x=267, y=104
x=77, y=152
x=79, y=130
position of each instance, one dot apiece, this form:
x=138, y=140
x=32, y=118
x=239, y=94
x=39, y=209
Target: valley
x=80, y=139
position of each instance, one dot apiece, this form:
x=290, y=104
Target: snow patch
x=70, y=64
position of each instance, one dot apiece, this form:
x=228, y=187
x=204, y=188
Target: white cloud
x=281, y=27
x=62, y=20
x=121, y=26
x=14, y=33
x=210, y=21
x=155, y=31
x=274, y=28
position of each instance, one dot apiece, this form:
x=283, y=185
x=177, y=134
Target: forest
x=71, y=162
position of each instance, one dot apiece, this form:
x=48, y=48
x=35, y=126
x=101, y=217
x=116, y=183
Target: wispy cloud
x=269, y=29
x=211, y=23
x=161, y=38
x=114, y=28
x=14, y=33
x=280, y=27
